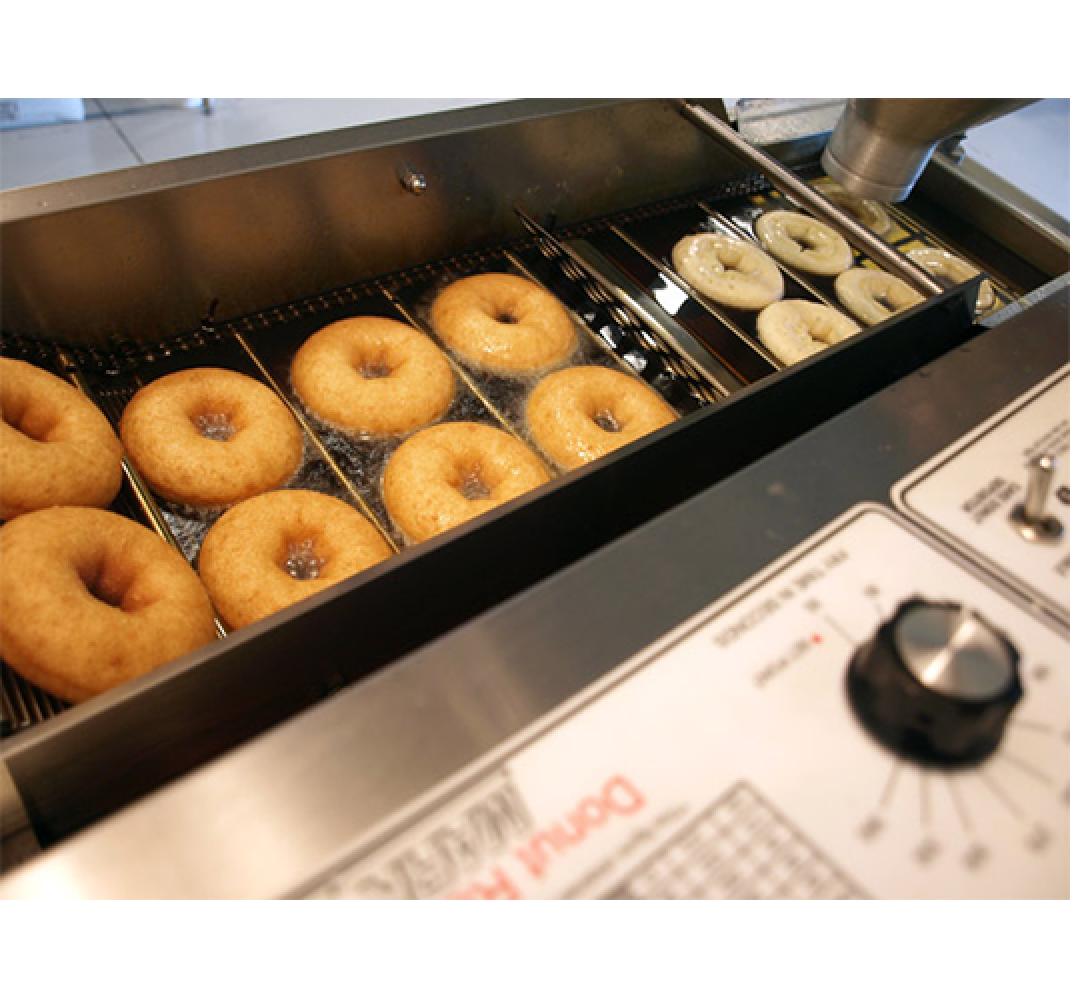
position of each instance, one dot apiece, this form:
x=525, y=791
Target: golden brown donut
x=373, y=376
x=728, y=270
x=873, y=296
x=278, y=548
x=580, y=414
x=447, y=474
x=56, y=447
x=210, y=437
x=794, y=329
x=90, y=600
x=804, y=243
x=503, y=324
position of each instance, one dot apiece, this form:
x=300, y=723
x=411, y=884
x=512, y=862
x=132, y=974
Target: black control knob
x=936, y=683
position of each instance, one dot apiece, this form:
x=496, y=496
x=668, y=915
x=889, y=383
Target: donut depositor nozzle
x=881, y=145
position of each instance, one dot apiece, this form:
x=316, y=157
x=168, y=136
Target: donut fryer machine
x=233, y=259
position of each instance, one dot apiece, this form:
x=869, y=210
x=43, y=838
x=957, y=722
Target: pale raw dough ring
x=794, y=329
x=580, y=414
x=373, y=376
x=278, y=548
x=90, y=599
x=447, y=474
x=941, y=264
x=874, y=296
x=210, y=437
x=804, y=243
x=56, y=448
x=870, y=213
x=503, y=324
x=729, y=271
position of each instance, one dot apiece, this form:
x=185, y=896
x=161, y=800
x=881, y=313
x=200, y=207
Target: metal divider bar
x=577, y=320
x=18, y=698
x=24, y=705
x=575, y=273
x=7, y=709
x=624, y=309
x=722, y=381
x=320, y=447
x=729, y=224
x=142, y=493
x=699, y=298
x=915, y=229
x=459, y=371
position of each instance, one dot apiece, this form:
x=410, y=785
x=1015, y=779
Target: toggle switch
x=1029, y=517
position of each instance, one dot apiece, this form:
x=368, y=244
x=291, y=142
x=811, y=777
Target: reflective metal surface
x=954, y=652
x=881, y=145
x=1031, y=517
x=149, y=252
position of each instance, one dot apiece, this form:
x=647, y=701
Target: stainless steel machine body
x=262, y=244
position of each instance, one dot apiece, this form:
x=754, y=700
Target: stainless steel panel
x=263, y=820
x=146, y=253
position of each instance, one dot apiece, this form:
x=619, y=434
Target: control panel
x=1002, y=495
x=867, y=717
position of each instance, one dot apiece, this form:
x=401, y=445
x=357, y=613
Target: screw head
x=412, y=180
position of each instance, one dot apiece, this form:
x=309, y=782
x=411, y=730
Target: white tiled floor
x=1030, y=148
x=124, y=132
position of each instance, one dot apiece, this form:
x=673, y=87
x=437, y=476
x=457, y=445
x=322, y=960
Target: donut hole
x=808, y=241
x=471, y=481
x=375, y=362
x=35, y=422
x=217, y=416
x=506, y=309
x=606, y=420
x=214, y=426
x=734, y=259
x=109, y=582
x=301, y=559
x=213, y=418
x=375, y=369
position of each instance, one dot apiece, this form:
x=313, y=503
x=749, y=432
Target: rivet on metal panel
x=411, y=179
